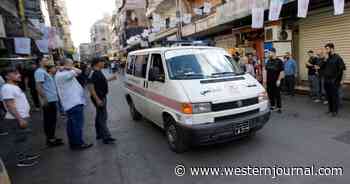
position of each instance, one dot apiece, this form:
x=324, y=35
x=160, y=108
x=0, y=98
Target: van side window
x=130, y=65
x=141, y=62
x=157, y=64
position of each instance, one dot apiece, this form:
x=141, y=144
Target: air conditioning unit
x=276, y=33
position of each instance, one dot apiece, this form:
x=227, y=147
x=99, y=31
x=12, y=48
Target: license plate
x=242, y=128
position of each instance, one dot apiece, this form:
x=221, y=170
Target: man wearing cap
x=98, y=87
x=274, y=68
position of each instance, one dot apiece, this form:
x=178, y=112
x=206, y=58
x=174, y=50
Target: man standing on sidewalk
x=98, y=87
x=274, y=69
x=17, y=118
x=72, y=98
x=290, y=69
x=311, y=65
x=47, y=91
x=333, y=75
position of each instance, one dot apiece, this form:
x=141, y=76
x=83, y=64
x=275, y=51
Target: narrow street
x=302, y=136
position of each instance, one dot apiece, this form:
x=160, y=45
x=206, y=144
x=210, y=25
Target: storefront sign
x=338, y=7
x=22, y=45
x=2, y=28
x=275, y=9
x=189, y=29
x=257, y=17
x=201, y=26
x=303, y=6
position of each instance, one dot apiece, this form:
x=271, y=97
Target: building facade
x=100, y=37
x=85, y=52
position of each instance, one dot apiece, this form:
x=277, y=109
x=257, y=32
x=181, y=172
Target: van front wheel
x=175, y=137
x=136, y=116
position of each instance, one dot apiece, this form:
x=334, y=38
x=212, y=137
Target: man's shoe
x=334, y=114
x=272, y=108
x=279, y=111
x=27, y=163
x=317, y=101
x=328, y=112
x=98, y=138
x=81, y=147
x=325, y=102
x=109, y=141
x=3, y=133
x=54, y=143
x=30, y=157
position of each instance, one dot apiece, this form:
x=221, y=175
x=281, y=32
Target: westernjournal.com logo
x=274, y=172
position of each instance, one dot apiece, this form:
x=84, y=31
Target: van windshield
x=187, y=64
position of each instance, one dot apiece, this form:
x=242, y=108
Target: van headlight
x=263, y=97
x=196, y=108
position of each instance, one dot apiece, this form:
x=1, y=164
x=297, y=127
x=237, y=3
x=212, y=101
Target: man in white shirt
x=72, y=98
x=17, y=118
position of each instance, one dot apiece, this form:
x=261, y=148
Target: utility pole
x=23, y=18
x=179, y=18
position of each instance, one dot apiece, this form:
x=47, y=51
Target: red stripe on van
x=155, y=97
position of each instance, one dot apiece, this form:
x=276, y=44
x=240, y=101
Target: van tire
x=175, y=137
x=136, y=116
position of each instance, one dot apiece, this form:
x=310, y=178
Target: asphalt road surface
x=302, y=136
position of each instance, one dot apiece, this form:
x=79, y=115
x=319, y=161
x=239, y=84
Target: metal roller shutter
x=320, y=28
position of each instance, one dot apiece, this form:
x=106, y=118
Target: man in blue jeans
x=311, y=65
x=290, y=69
x=72, y=97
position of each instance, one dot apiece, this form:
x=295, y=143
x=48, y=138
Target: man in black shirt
x=314, y=82
x=333, y=74
x=98, y=87
x=274, y=68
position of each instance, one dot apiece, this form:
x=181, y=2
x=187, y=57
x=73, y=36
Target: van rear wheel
x=136, y=116
x=175, y=137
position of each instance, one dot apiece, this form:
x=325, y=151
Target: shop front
x=321, y=27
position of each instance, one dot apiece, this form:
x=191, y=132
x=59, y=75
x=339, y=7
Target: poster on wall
x=257, y=18
x=43, y=45
x=338, y=7
x=22, y=45
x=275, y=9
x=2, y=28
x=282, y=48
x=303, y=6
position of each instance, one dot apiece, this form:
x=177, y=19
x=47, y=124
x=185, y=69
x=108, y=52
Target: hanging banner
x=338, y=7
x=2, y=28
x=43, y=45
x=303, y=6
x=198, y=11
x=187, y=18
x=207, y=8
x=275, y=9
x=22, y=45
x=257, y=17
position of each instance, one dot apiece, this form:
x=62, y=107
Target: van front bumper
x=224, y=130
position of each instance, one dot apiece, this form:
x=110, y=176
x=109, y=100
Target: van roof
x=163, y=49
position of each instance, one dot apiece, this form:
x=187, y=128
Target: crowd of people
x=55, y=88
x=325, y=75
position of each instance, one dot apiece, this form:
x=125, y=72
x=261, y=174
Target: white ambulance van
x=198, y=95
